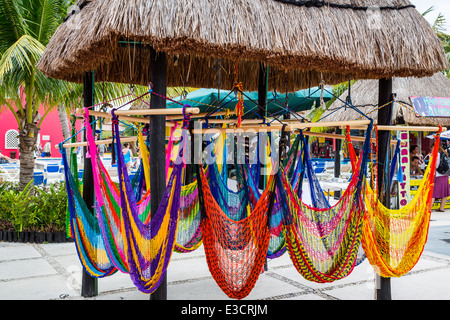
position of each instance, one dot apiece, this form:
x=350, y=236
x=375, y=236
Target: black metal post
x=157, y=132
x=263, y=79
x=190, y=167
x=337, y=155
x=383, y=285
x=337, y=162
x=262, y=89
x=89, y=285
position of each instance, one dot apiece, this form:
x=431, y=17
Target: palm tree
x=439, y=28
x=26, y=26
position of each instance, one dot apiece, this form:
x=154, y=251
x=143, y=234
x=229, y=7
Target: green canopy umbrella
x=211, y=100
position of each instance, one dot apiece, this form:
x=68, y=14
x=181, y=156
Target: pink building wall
x=50, y=131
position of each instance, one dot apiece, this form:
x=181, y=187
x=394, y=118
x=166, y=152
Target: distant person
x=414, y=152
x=415, y=167
x=128, y=155
x=47, y=149
x=138, y=160
x=101, y=148
x=38, y=150
x=441, y=188
x=5, y=158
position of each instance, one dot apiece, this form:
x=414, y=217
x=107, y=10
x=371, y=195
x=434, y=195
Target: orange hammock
x=393, y=240
x=235, y=250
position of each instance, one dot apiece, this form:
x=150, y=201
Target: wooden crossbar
x=97, y=142
x=340, y=137
x=125, y=118
x=204, y=114
x=150, y=112
x=288, y=127
x=403, y=128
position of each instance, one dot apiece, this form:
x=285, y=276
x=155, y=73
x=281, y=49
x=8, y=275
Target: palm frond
x=44, y=18
x=23, y=54
x=12, y=25
x=430, y=9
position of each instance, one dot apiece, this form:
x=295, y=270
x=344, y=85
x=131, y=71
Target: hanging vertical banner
x=404, y=187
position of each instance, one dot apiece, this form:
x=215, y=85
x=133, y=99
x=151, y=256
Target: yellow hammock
x=393, y=240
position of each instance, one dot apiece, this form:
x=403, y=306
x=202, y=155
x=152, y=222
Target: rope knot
x=186, y=117
x=115, y=119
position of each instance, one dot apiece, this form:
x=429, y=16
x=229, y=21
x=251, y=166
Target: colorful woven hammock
x=323, y=243
x=393, y=240
x=108, y=201
x=235, y=250
x=189, y=235
x=237, y=203
x=149, y=246
x=85, y=229
x=84, y=226
x=125, y=237
x=298, y=167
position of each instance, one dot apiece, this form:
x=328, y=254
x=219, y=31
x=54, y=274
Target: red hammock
x=235, y=250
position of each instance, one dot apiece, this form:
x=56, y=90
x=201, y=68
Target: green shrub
x=35, y=208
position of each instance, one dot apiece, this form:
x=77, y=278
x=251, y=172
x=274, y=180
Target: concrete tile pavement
x=53, y=272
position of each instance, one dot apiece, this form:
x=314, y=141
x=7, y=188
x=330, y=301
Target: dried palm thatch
x=303, y=43
x=364, y=95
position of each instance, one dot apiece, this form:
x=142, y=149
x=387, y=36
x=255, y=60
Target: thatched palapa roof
x=364, y=95
x=303, y=42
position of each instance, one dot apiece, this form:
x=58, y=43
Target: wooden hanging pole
x=151, y=112
x=338, y=136
x=289, y=127
x=234, y=121
x=409, y=128
x=402, y=128
x=97, y=142
x=124, y=118
x=305, y=125
x=208, y=114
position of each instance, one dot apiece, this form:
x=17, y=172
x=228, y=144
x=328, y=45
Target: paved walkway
x=53, y=272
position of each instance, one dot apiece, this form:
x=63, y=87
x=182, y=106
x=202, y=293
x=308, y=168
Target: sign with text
x=404, y=187
x=431, y=106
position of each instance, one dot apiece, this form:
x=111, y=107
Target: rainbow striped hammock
x=393, y=240
x=323, y=243
x=85, y=229
x=133, y=242
x=94, y=250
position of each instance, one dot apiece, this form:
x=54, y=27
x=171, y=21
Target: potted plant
x=6, y=202
x=22, y=203
x=51, y=209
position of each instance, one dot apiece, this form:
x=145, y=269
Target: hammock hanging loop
x=186, y=117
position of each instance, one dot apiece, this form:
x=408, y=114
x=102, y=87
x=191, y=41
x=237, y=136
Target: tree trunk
x=64, y=122
x=27, y=139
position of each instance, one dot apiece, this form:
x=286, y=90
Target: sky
x=440, y=6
